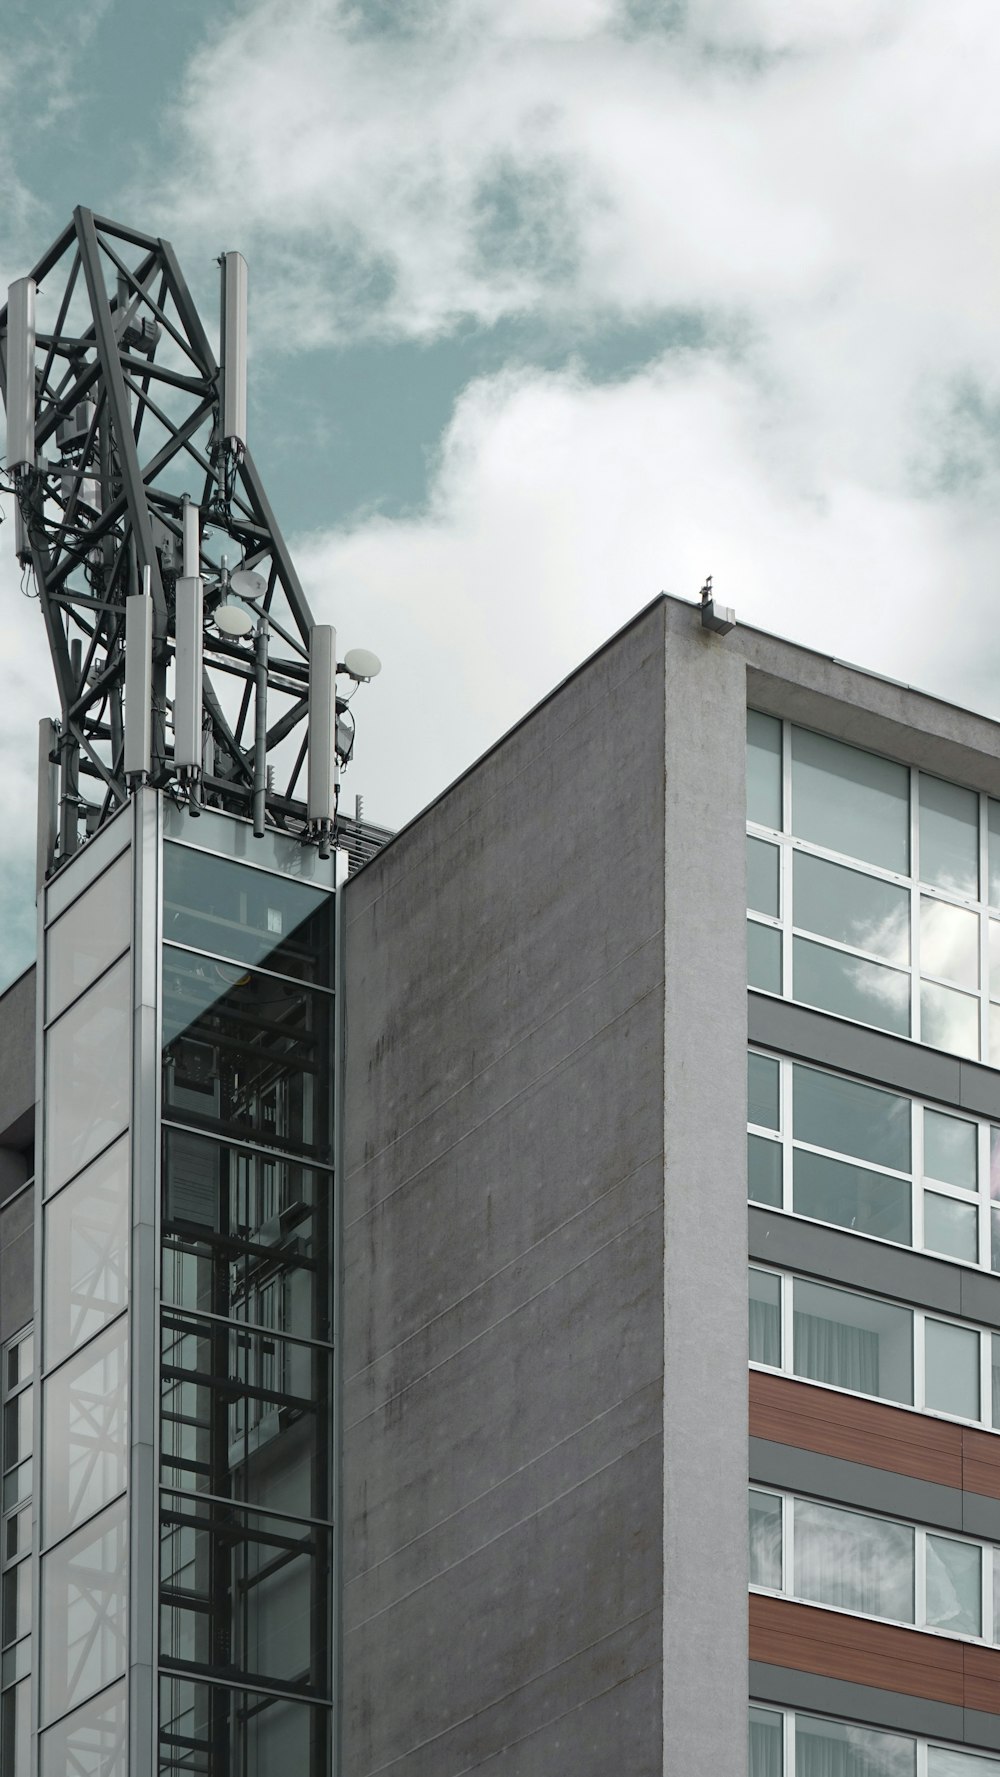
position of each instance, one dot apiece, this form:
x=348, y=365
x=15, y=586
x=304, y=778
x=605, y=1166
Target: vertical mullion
x=786, y=1114
x=917, y=1164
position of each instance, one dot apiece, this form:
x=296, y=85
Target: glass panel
x=16, y=1485
x=954, y=1586
x=850, y=1118
x=20, y=1362
x=246, y=1235
x=849, y=801
x=852, y=1341
x=87, y=1092
x=993, y=932
x=765, y=1318
x=765, y=1539
x=949, y=1020
x=995, y=1368
x=17, y=1534
x=764, y=1170
x=16, y=1729
x=17, y=1429
x=952, y=1369
x=84, y=1590
x=836, y=1749
x=762, y=876
x=943, y=1762
x=267, y=921
x=868, y=992
x=245, y=1416
x=949, y=941
x=763, y=1091
x=764, y=770
x=949, y=836
x=862, y=911
x=835, y=1191
x=261, y=1734
x=763, y=957
x=88, y=936
x=950, y=1150
x=994, y=1035
x=854, y=1562
x=86, y=1254
x=252, y=1584
x=951, y=1227
x=995, y=1237
x=91, y=1742
x=766, y=1752
x=85, y=1443
x=246, y=1052
x=16, y=1602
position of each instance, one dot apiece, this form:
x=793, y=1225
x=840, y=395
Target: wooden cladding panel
x=981, y=1462
x=893, y=1659
x=789, y=1412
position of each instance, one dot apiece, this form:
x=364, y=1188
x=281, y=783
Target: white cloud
x=560, y=508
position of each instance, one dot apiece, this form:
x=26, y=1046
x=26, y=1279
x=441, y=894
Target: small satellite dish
x=247, y=585
x=233, y=620
x=361, y=663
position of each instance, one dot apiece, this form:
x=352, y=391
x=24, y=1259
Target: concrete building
x=482, y=1507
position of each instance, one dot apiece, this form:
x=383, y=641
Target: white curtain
x=829, y=1351
x=765, y=1333
x=853, y=1562
x=765, y=1748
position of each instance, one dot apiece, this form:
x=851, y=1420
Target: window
x=872, y=1347
x=837, y=1150
x=788, y=1743
x=872, y=1566
x=15, y=1549
x=861, y=911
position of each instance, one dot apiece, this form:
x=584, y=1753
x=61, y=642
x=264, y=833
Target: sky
x=555, y=305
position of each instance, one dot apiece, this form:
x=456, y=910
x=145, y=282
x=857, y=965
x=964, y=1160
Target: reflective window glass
x=995, y=1378
x=954, y=1586
x=268, y=921
x=86, y=1254
x=851, y=1118
x=765, y=1539
x=949, y=941
x=87, y=1076
x=15, y=1728
x=765, y=1318
x=763, y=1090
x=950, y=1149
x=88, y=936
x=949, y=836
x=245, y=1581
x=764, y=770
x=831, y=1190
x=837, y=1749
x=951, y=1357
x=852, y=1341
x=247, y=1053
x=16, y=1602
x=86, y=1457
x=762, y=876
x=246, y=1235
x=849, y=801
x=764, y=1170
x=942, y=1761
x=851, y=908
x=949, y=1019
x=17, y=1429
x=851, y=987
x=951, y=1227
x=766, y=1750
x=92, y=1742
x=993, y=826
x=854, y=1562
x=763, y=957
x=262, y=1733
x=84, y=1593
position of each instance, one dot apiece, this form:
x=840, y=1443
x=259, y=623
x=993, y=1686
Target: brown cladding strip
x=861, y=1652
x=833, y=1424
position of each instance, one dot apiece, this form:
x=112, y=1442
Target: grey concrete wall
x=503, y=1197
x=705, y=1374
x=17, y=1066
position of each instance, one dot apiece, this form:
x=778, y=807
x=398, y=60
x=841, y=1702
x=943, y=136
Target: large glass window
x=845, y=916
x=252, y=916
x=788, y=1743
x=86, y=1254
x=86, y=1454
x=81, y=943
x=87, y=1076
x=92, y=1742
x=838, y=1150
x=84, y=1594
x=844, y=1339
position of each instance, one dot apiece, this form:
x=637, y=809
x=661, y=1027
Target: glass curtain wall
x=83, y=1218
x=246, y=1319
x=16, y=1435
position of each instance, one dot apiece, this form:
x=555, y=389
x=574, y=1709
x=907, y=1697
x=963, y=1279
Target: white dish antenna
x=361, y=663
